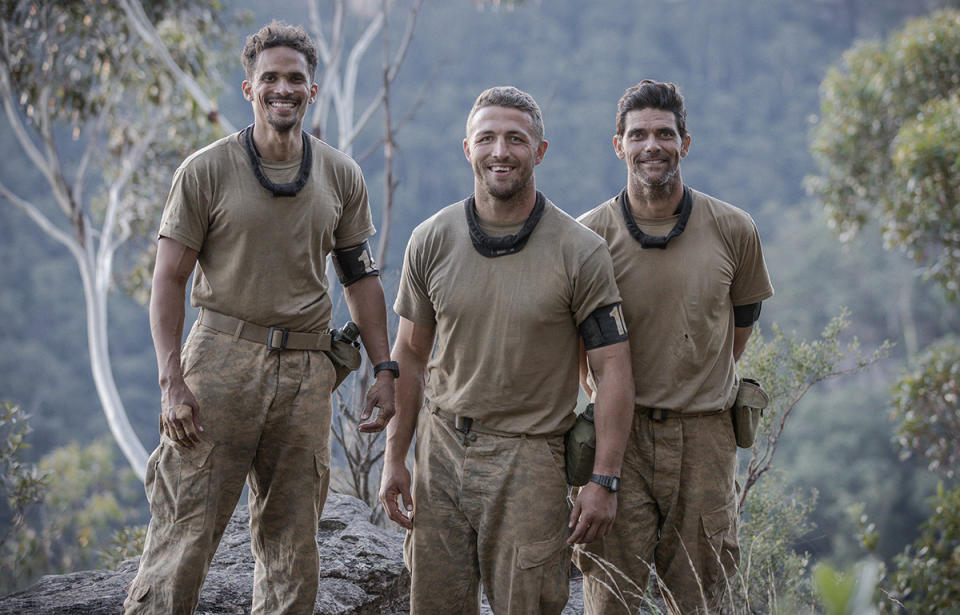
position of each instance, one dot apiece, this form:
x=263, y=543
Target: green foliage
x=847, y=593
x=84, y=499
x=127, y=542
x=927, y=576
x=773, y=577
x=23, y=486
x=926, y=406
x=887, y=143
x=787, y=368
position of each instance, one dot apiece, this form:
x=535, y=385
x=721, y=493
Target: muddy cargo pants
x=677, y=511
x=266, y=420
x=487, y=508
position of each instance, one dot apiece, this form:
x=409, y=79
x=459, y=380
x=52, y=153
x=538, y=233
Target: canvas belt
x=662, y=414
x=275, y=338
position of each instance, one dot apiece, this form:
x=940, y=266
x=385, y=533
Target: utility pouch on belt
x=344, y=351
x=747, y=410
x=580, y=446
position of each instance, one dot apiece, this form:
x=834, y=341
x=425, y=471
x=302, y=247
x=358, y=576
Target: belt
x=275, y=338
x=469, y=427
x=662, y=414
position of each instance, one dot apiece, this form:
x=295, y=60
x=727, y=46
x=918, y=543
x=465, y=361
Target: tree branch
x=13, y=117
x=391, y=72
x=45, y=224
x=58, y=184
x=141, y=24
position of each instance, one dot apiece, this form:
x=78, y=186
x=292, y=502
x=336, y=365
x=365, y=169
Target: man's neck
x=647, y=202
x=499, y=211
x=275, y=146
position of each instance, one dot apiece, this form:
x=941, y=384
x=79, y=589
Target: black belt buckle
x=463, y=425
x=283, y=338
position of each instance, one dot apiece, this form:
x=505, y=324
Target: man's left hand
x=380, y=395
x=593, y=514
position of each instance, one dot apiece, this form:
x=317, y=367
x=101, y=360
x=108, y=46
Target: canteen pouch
x=580, y=446
x=344, y=352
x=747, y=410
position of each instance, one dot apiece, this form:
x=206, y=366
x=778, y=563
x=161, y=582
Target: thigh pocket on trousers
x=138, y=590
x=181, y=484
x=723, y=549
x=323, y=479
x=551, y=560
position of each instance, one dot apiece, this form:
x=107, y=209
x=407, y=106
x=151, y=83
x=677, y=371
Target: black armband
x=746, y=315
x=604, y=326
x=354, y=263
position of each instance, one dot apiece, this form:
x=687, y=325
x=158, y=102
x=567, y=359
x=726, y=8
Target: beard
x=501, y=191
x=282, y=124
x=658, y=188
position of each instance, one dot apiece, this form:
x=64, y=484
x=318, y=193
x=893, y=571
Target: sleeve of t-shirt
x=413, y=299
x=751, y=282
x=356, y=222
x=594, y=285
x=185, y=218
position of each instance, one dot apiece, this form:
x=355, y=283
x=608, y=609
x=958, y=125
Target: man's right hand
x=180, y=416
x=395, y=483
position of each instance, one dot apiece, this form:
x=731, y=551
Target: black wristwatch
x=390, y=366
x=612, y=483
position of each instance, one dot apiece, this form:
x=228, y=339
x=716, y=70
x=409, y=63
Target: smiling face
x=503, y=148
x=652, y=148
x=280, y=88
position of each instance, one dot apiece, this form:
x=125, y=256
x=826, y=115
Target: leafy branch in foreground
x=788, y=367
x=23, y=486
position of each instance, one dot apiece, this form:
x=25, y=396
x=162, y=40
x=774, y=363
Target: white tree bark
x=93, y=252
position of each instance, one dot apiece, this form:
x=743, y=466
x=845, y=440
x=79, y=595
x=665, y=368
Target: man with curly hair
x=253, y=217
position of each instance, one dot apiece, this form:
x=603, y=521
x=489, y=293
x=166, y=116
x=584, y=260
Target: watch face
x=612, y=483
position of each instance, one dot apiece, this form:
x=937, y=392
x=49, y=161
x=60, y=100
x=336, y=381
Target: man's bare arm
x=175, y=263
x=595, y=508
x=368, y=309
x=412, y=351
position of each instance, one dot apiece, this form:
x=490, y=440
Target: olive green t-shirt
x=263, y=258
x=678, y=301
x=506, y=327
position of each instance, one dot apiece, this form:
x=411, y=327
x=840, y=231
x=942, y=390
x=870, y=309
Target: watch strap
x=390, y=366
x=612, y=483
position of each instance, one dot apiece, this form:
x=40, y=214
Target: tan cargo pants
x=494, y=511
x=266, y=419
x=676, y=511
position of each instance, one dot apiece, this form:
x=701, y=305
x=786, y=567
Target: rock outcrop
x=361, y=573
x=361, y=568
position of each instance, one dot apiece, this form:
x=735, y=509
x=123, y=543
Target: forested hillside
x=750, y=72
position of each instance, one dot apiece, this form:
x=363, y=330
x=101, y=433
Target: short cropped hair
x=650, y=94
x=511, y=97
x=278, y=34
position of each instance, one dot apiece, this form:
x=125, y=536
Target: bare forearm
x=411, y=351
x=409, y=400
x=175, y=263
x=166, y=326
x=367, y=308
x=613, y=405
